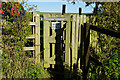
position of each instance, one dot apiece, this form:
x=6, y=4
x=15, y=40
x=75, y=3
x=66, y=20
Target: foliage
x=109, y=46
x=36, y=71
x=15, y=63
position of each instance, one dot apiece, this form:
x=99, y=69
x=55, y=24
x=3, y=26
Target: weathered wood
x=46, y=34
x=73, y=41
x=28, y=48
x=67, y=44
x=87, y=19
x=53, y=40
x=86, y=41
x=32, y=23
x=84, y=18
x=82, y=21
x=86, y=49
x=52, y=60
x=36, y=18
x=53, y=45
x=105, y=31
x=30, y=37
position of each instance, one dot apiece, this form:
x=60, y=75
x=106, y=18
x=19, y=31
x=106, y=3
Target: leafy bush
x=109, y=46
x=15, y=63
x=36, y=71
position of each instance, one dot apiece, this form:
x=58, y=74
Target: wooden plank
x=86, y=49
x=80, y=20
x=86, y=41
x=28, y=48
x=81, y=43
x=58, y=50
x=37, y=36
x=32, y=23
x=105, y=31
x=73, y=40
x=52, y=60
x=33, y=39
x=46, y=33
x=53, y=45
x=54, y=19
x=83, y=39
x=77, y=42
x=85, y=18
x=53, y=40
x=30, y=37
x=67, y=45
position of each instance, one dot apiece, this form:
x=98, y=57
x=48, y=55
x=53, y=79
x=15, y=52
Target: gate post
x=46, y=33
x=67, y=45
x=86, y=50
x=36, y=19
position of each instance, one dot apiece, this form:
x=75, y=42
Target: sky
x=56, y=6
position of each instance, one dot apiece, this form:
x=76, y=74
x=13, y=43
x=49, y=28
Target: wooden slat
x=37, y=36
x=52, y=59
x=54, y=19
x=67, y=45
x=73, y=41
x=77, y=42
x=28, y=48
x=86, y=49
x=85, y=18
x=30, y=37
x=53, y=45
x=46, y=31
x=32, y=23
x=105, y=31
x=82, y=39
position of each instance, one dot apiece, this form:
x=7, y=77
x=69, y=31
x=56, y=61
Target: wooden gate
x=62, y=39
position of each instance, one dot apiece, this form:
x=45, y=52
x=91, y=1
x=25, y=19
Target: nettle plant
x=15, y=29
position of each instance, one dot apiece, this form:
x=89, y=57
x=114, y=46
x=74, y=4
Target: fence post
x=67, y=43
x=80, y=11
x=63, y=9
x=86, y=49
x=46, y=33
x=77, y=41
x=81, y=39
x=36, y=19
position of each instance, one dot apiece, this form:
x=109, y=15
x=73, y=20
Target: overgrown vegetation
x=17, y=65
x=15, y=62
x=108, y=47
